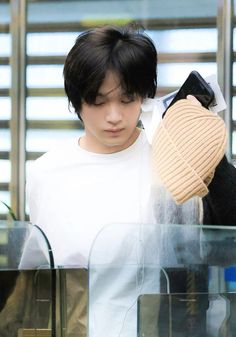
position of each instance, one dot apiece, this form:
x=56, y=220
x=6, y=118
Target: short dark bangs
x=130, y=54
x=135, y=66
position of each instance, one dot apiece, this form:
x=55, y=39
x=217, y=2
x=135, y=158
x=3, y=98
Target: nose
x=113, y=115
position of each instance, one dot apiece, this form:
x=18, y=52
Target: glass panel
x=234, y=39
x=27, y=246
x=28, y=166
x=168, y=280
x=49, y=108
x=5, y=169
x=184, y=40
x=4, y=197
x=234, y=74
x=108, y=11
x=192, y=315
x=5, y=108
x=5, y=43
x=48, y=76
x=176, y=73
x=181, y=9
x=234, y=143
x=4, y=13
x=234, y=108
x=5, y=144
x=89, y=11
x=27, y=281
x=5, y=76
x=44, y=140
x=47, y=44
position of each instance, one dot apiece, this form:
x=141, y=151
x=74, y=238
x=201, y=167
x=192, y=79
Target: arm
x=219, y=205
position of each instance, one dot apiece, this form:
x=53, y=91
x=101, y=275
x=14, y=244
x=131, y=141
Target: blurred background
x=35, y=37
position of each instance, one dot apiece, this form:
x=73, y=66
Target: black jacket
x=219, y=204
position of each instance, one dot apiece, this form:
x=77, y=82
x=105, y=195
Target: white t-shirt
x=74, y=195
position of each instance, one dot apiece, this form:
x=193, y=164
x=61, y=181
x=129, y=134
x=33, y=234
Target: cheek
x=134, y=113
x=89, y=116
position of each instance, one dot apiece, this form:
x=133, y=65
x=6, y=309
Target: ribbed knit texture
x=187, y=146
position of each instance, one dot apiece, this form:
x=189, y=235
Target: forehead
x=110, y=85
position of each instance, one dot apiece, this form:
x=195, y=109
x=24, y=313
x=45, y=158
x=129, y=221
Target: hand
x=194, y=100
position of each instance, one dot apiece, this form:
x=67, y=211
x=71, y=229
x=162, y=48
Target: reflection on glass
x=49, y=108
x=43, y=44
x=175, y=74
x=5, y=143
x=5, y=76
x=44, y=140
x=184, y=40
x=5, y=43
x=5, y=169
x=47, y=76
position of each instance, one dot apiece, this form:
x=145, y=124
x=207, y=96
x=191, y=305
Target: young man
x=105, y=177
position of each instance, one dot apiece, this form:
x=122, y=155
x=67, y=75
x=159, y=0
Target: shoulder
x=48, y=161
x=56, y=157
x=51, y=162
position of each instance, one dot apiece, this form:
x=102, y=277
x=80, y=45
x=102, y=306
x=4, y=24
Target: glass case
x=27, y=281
x=37, y=298
x=162, y=281
x=141, y=280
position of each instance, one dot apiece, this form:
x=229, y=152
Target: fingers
x=193, y=100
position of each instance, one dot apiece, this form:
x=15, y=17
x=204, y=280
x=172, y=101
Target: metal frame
x=225, y=62
x=18, y=97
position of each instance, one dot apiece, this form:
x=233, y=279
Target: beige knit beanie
x=187, y=146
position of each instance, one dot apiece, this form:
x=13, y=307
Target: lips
x=115, y=131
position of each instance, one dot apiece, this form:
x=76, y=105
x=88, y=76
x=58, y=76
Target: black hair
x=131, y=54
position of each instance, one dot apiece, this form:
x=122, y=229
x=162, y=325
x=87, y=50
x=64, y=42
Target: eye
x=98, y=103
